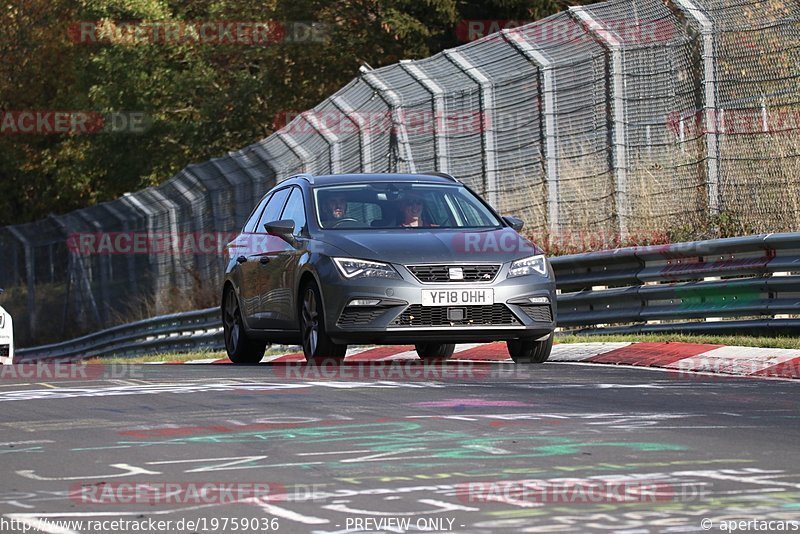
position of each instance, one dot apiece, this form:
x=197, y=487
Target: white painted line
x=736, y=360
x=405, y=355
x=277, y=511
x=576, y=352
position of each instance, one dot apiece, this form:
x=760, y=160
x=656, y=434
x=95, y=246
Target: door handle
x=241, y=259
x=264, y=260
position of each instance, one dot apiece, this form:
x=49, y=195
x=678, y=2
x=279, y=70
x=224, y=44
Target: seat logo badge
x=456, y=273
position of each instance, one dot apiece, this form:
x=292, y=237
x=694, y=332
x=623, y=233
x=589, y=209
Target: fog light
x=364, y=302
x=539, y=300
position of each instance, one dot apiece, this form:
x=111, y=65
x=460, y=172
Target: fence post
x=710, y=100
x=548, y=118
x=331, y=138
x=619, y=134
x=297, y=149
x=395, y=105
x=104, y=267
x=131, y=263
x=487, y=121
x=29, y=275
x=439, y=118
x=161, y=285
x=364, y=139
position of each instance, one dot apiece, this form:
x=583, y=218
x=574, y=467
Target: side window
x=250, y=225
x=273, y=210
x=295, y=210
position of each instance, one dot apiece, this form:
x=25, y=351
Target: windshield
x=391, y=205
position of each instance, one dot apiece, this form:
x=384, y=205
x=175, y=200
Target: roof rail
x=307, y=176
x=443, y=175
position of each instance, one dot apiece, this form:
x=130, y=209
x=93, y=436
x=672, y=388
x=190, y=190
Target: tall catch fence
x=616, y=119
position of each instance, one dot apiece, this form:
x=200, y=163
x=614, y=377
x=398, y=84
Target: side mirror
x=282, y=229
x=514, y=222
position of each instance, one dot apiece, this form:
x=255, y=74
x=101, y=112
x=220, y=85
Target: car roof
x=336, y=179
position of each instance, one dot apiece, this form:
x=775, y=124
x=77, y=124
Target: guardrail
x=738, y=285
x=177, y=332
x=667, y=288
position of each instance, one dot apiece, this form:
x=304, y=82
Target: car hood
x=409, y=246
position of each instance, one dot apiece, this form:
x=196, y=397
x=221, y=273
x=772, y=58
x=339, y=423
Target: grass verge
x=736, y=341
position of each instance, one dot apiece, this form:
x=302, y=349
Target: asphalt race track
x=464, y=447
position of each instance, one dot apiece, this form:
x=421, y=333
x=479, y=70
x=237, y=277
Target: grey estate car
x=327, y=261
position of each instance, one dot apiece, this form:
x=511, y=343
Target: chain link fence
x=616, y=119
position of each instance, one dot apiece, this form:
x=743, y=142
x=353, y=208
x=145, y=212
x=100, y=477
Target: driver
x=335, y=208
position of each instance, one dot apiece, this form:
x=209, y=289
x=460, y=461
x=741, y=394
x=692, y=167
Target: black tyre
x=240, y=347
x=435, y=351
x=317, y=346
x=530, y=351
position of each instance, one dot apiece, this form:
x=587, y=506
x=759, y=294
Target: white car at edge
x=6, y=337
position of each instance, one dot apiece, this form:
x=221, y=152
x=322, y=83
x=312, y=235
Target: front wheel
x=240, y=347
x=317, y=346
x=529, y=350
x=435, y=351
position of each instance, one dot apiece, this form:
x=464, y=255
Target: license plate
x=458, y=297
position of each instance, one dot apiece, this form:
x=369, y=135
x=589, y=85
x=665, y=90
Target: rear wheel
x=435, y=351
x=317, y=346
x=240, y=347
x=529, y=350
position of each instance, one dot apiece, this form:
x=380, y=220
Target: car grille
x=541, y=313
x=418, y=315
x=4, y=350
x=441, y=273
x=359, y=316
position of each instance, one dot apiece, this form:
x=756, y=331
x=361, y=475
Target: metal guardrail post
x=619, y=134
x=710, y=100
x=331, y=138
x=395, y=104
x=364, y=135
x=548, y=117
x=439, y=112
x=487, y=121
x=298, y=150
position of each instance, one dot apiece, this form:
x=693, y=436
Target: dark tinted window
x=273, y=209
x=250, y=225
x=295, y=210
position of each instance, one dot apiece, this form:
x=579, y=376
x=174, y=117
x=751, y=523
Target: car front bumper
x=400, y=317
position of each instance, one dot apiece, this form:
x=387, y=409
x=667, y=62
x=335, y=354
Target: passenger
x=411, y=212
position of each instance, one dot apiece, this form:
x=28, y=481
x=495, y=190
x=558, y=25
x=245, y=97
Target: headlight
x=533, y=264
x=352, y=268
x=2, y=320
